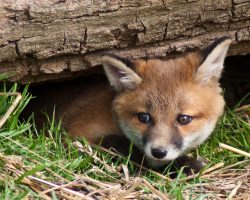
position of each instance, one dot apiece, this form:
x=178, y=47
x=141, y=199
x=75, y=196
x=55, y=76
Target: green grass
x=231, y=130
x=50, y=155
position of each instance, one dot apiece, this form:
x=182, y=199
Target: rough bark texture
x=49, y=39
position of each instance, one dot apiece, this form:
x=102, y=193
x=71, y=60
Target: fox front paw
x=191, y=165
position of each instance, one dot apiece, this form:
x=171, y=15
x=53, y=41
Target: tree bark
x=54, y=39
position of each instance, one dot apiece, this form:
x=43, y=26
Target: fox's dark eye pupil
x=144, y=117
x=184, y=119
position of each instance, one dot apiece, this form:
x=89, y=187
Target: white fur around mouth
x=172, y=154
x=157, y=163
x=189, y=142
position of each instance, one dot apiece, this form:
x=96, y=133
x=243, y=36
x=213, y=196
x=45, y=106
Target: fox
x=165, y=107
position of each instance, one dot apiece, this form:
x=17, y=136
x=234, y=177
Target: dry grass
x=83, y=187
x=228, y=182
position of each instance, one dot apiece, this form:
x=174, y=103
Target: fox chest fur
x=165, y=107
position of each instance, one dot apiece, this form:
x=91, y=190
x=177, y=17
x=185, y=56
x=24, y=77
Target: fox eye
x=144, y=117
x=184, y=119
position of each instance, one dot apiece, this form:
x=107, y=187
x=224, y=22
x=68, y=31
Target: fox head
x=167, y=107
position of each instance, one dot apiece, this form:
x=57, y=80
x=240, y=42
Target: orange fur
x=170, y=87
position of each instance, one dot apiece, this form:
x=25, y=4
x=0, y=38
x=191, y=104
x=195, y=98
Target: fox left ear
x=120, y=74
x=214, y=56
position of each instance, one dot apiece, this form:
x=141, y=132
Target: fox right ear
x=119, y=74
x=214, y=56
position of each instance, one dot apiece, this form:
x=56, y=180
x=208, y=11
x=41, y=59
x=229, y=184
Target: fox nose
x=159, y=153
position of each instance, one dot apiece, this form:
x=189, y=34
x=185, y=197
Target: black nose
x=159, y=153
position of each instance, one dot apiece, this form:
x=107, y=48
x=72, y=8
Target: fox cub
x=165, y=107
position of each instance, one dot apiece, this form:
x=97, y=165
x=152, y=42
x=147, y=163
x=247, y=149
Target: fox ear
x=119, y=74
x=213, y=60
